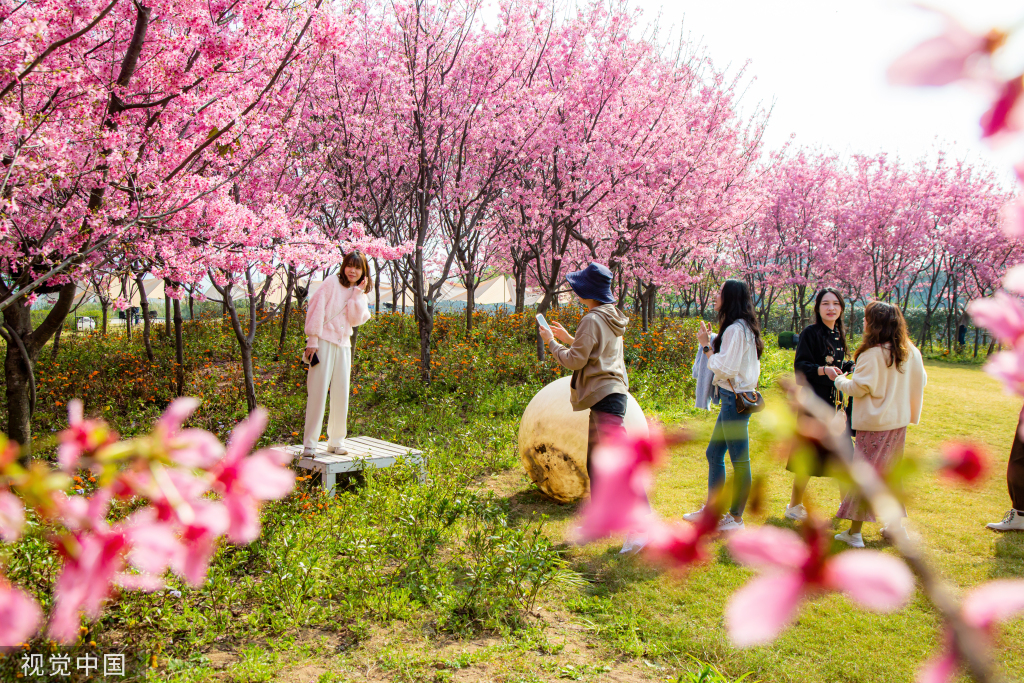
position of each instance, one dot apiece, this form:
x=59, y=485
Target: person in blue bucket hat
x=595, y=356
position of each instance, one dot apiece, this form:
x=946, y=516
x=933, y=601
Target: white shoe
x=852, y=540
x=1013, y=521
x=337, y=450
x=797, y=513
x=634, y=543
x=729, y=523
x=307, y=453
x=896, y=529
x=693, y=516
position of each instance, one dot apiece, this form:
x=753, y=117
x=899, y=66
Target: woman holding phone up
x=339, y=305
x=735, y=359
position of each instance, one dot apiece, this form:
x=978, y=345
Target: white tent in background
x=531, y=297
x=451, y=292
x=84, y=295
x=385, y=297
x=154, y=288
x=278, y=288
x=493, y=291
x=211, y=294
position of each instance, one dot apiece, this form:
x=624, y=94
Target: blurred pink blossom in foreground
x=173, y=470
x=966, y=462
x=795, y=568
x=622, y=470
x=945, y=58
x=983, y=608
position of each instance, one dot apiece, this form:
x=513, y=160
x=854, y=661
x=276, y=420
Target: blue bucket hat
x=593, y=282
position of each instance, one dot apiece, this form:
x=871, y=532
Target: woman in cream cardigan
x=339, y=305
x=887, y=386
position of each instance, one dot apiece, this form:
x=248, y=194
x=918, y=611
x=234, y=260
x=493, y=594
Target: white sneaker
x=896, y=529
x=307, y=453
x=852, y=540
x=1013, y=521
x=729, y=523
x=797, y=513
x=634, y=543
x=693, y=516
x=337, y=450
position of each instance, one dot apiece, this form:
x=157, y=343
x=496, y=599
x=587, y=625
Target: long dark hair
x=353, y=258
x=842, y=309
x=884, y=324
x=737, y=305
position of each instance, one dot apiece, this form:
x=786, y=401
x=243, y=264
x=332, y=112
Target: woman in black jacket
x=820, y=358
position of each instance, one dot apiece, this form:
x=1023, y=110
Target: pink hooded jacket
x=333, y=311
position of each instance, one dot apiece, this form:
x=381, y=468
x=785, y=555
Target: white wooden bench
x=363, y=452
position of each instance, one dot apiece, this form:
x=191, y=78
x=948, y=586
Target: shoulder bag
x=748, y=401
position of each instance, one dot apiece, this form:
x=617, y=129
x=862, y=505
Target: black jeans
x=606, y=416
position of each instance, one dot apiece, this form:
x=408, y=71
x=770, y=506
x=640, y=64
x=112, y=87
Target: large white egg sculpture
x=553, y=441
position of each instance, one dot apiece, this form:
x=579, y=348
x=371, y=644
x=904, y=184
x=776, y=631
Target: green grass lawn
x=646, y=613
x=392, y=580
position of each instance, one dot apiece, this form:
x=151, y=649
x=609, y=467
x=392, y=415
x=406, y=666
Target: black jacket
x=818, y=344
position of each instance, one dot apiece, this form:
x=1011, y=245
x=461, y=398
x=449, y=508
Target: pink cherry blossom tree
x=194, y=492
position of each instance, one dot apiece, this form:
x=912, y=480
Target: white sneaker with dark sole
x=852, y=540
x=634, y=543
x=693, y=516
x=337, y=450
x=1013, y=521
x=729, y=523
x=797, y=513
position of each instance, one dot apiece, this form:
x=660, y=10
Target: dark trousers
x=1015, y=472
x=607, y=417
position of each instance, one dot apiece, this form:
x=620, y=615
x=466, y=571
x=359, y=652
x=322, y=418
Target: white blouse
x=737, y=360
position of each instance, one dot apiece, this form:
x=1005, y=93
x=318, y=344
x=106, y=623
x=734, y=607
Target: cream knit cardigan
x=333, y=311
x=885, y=398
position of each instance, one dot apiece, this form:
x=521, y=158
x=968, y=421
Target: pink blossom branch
x=818, y=425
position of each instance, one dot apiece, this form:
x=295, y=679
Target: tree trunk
x=376, y=287
x=167, y=311
x=426, y=327
x=394, y=290
x=179, y=350
x=144, y=305
x=245, y=339
x=286, y=314
x=245, y=349
x=23, y=347
x=191, y=314
x=521, y=294
x=247, y=372
x=104, y=306
x=470, y=301
x=641, y=303
x=56, y=342
x=19, y=409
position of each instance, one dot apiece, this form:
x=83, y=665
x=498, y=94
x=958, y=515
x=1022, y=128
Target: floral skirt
x=884, y=450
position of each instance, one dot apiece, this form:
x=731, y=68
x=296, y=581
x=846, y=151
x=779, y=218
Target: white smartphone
x=542, y=322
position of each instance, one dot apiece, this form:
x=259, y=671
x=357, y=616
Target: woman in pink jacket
x=339, y=305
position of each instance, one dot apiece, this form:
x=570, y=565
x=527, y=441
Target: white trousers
x=330, y=373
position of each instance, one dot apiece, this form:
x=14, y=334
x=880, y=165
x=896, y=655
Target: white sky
x=823, y=64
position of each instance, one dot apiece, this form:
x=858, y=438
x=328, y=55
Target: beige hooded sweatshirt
x=595, y=357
